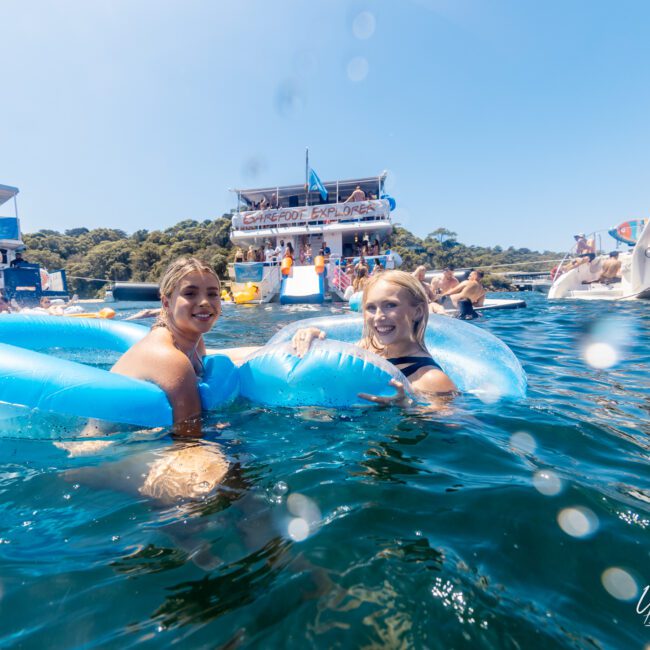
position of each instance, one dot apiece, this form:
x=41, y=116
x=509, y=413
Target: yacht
x=21, y=280
x=337, y=218
x=580, y=282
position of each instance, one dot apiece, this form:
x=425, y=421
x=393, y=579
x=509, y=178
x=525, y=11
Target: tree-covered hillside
x=109, y=254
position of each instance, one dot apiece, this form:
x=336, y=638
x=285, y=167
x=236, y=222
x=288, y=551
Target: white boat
x=19, y=279
x=326, y=220
x=581, y=282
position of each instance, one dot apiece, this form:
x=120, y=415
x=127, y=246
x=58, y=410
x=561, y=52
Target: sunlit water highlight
x=512, y=525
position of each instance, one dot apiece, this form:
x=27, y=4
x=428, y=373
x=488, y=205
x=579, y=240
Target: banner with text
x=311, y=214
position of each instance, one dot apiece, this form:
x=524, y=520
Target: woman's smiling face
x=390, y=314
x=195, y=304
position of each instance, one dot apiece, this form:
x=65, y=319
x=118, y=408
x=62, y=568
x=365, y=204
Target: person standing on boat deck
x=357, y=195
x=18, y=261
x=327, y=251
x=309, y=255
x=239, y=254
x=288, y=251
x=471, y=289
x=250, y=254
x=269, y=253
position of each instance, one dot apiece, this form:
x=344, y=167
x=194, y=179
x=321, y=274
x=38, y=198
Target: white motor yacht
x=581, y=282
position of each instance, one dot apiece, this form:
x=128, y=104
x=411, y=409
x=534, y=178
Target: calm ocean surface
x=509, y=525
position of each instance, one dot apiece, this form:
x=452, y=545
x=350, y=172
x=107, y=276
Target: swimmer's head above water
x=398, y=299
x=190, y=293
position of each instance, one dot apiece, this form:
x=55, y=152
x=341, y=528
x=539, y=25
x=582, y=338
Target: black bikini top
x=414, y=364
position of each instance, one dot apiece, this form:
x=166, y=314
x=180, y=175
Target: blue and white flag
x=315, y=184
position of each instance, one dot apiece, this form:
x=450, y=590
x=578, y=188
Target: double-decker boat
x=19, y=279
x=340, y=220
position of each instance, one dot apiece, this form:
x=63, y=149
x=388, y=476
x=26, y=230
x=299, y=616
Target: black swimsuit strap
x=414, y=364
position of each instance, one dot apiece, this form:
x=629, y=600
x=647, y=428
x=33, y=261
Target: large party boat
x=321, y=223
x=21, y=280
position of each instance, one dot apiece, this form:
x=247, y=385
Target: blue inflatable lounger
x=42, y=381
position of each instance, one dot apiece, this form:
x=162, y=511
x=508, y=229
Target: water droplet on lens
x=578, y=521
x=298, y=529
x=357, y=68
x=600, y=355
x=619, y=583
x=547, y=482
x=288, y=101
x=363, y=26
x=280, y=488
x=66, y=497
x=523, y=442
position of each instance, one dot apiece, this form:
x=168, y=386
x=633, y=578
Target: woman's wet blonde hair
x=174, y=273
x=417, y=296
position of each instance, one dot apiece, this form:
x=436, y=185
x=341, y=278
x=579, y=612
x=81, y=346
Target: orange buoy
x=319, y=264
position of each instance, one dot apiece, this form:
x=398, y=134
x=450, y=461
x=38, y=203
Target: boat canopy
x=7, y=192
x=291, y=196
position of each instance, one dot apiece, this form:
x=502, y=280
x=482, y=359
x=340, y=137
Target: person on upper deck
x=357, y=195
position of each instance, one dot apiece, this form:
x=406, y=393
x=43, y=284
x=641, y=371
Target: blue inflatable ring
x=475, y=360
x=35, y=380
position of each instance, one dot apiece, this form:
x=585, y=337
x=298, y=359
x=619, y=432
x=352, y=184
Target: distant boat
x=25, y=281
x=581, y=282
x=291, y=214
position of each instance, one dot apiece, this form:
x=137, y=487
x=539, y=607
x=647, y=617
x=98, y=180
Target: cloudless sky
x=511, y=122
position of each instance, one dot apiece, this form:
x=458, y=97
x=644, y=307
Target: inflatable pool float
x=334, y=370
x=33, y=379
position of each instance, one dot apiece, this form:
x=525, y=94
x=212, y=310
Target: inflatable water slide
x=302, y=285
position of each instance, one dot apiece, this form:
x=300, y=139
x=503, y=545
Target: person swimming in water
x=170, y=355
x=395, y=312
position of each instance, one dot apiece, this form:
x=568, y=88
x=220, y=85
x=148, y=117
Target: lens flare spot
x=619, y=583
x=523, y=442
x=357, y=69
x=578, y=521
x=547, y=483
x=600, y=355
x=298, y=529
x=363, y=26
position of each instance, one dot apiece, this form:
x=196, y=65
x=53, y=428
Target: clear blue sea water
x=508, y=525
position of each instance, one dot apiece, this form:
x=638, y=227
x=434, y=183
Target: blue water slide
x=302, y=285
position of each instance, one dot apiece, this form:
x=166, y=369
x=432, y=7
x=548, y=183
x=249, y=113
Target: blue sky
x=511, y=122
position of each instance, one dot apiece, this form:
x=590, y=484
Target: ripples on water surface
x=496, y=526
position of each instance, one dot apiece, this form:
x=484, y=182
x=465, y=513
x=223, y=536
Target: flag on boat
x=315, y=184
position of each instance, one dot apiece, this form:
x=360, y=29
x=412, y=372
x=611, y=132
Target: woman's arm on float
x=304, y=337
x=172, y=371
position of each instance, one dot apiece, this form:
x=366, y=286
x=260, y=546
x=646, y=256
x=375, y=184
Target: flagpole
x=306, y=175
